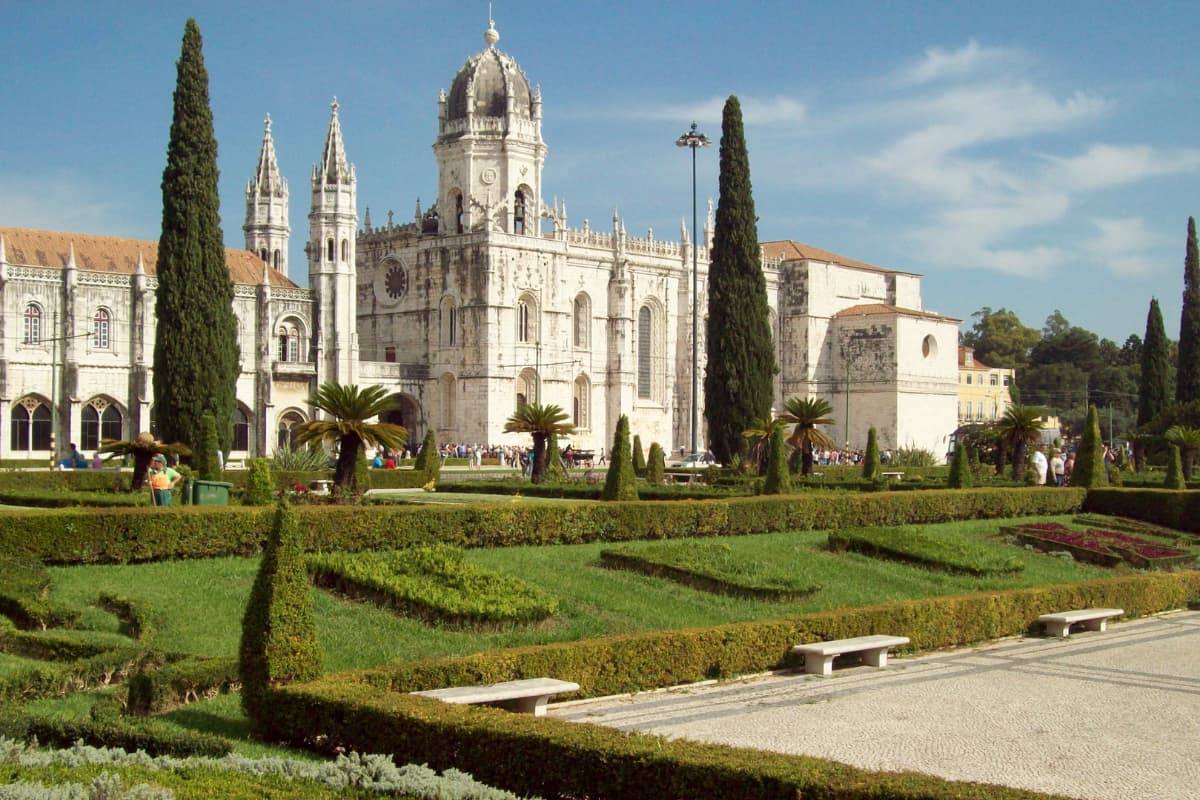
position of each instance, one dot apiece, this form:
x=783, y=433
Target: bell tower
x=266, y=225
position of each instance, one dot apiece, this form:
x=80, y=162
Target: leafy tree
x=1187, y=439
x=960, y=468
x=209, y=465
x=1020, y=427
x=738, y=379
x=350, y=408
x=428, y=461
x=142, y=449
x=279, y=635
x=1187, y=380
x=260, y=483
x=806, y=414
x=1174, y=478
x=196, y=353
x=1000, y=339
x=871, y=468
x=778, y=480
x=542, y=422
x=639, y=458
x=758, y=437
x=1154, y=390
x=1089, y=460
x=656, y=465
x=620, y=483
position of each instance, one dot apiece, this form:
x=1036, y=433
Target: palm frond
x=540, y=419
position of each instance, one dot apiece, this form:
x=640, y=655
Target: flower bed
x=1104, y=547
x=710, y=567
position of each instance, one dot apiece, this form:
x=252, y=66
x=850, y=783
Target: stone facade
x=983, y=394
x=486, y=300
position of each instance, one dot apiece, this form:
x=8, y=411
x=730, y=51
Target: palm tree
x=541, y=421
x=758, y=436
x=806, y=413
x=350, y=408
x=1020, y=427
x=1188, y=441
x=142, y=449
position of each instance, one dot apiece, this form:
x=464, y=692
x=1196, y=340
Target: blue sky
x=1027, y=155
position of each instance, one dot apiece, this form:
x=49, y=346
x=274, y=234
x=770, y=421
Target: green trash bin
x=210, y=493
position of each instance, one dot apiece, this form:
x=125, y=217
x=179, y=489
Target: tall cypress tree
x=741, y=357
x=195, y=349
x=1154, y=382
x=1187, y=380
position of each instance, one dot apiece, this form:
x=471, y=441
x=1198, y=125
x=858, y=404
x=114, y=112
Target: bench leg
x=1100, y=625
x=531, y=705
x=876, y=658
x=818, y=665
x=1058, y=629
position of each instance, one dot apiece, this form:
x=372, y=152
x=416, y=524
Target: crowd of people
x=477, y=455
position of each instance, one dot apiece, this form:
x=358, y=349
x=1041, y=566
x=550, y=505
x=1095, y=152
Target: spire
x=266, y=275
x=3, y=258
x=266, y=177
x=333, y=167
x=71, y=255
x=683, y=233
x=491, y=35
x=140, y=269
x=417, y=214
x=367, y=220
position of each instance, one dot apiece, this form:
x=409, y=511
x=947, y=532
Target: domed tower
x=489, y=147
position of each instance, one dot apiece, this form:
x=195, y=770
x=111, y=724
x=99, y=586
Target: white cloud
x=1103, y=166
x=59, y=200
x=755, y=111
x=938, y=63
x=1124, y=245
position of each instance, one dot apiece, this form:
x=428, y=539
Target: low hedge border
x=147, y=534
x=157, y=691
x=54, y=645
x=23, y=595
x=55, y=679
x=62, y=498
x=136, y=621
x=371, y=708
x=918, y=547
x=702, y=576
x=584, y=491
x=130, y=734
x=1170, y=508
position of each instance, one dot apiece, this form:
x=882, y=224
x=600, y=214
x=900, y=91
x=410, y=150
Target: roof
x=883, y=309
x=490, y=75
x=35, y=248
x=975, y=362
x=791, y=250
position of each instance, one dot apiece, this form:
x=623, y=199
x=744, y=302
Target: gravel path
x=1111, y=716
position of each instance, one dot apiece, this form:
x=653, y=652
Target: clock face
x=396, y=282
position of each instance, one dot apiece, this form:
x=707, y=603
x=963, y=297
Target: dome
x=489, y=75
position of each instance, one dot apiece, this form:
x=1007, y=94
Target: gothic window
x=526, y=319
x=101, y=325
x=288, y=423
x=276, y=265
x=289, y=341
x=329, y=251
x=263, y=254
x=345, y=250
x=30, y=425
x=100, y=421
x=645, y=346
x=519, y=212
x=526, y=388
x=241, y=430
x=582, y=320
x=582, y=402
x=448, y=323
x=458, y=212
x=33, y=324
x=448, y=386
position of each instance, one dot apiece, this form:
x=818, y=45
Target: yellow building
x=982, y=390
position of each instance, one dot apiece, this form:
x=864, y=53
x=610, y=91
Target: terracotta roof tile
x=883, y=309
x=790, y=250
x=975, y=362
x=36, y=248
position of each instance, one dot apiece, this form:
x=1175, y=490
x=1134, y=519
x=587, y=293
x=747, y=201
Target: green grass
x=716, y=567
x=10, y=664
x=932, y=548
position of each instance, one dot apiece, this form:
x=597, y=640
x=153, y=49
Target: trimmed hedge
x=70, y=537
x=919, y=547
x=112, y=730
x=55, y=678
x=711, y=567
x=136, y=621
x=371, y=708
x=59, y=498
x=575, y=490
x=1166, y=507
x=56, y=645
x=174, y=685
x=24, y=587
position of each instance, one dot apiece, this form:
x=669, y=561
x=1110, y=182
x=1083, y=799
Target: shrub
x=55, y=679
x=910, y=457
x=136, y=622
x=1169, y=508
x=300, y=459
x=56, y=645
x=778, y=479
x=109, y=729
x=260, y=484
x=434, y=583
x=61, y=498
x=960, y=470
x=428, y=462
x=206, y=463
x=870, y=467
x=279, y=637
x=556, y=470
x=155, y=691
x=639, y=458
x=1174, y=478
x=621, y=482
x=711, y=567
x=920, y=547
x=1089, y=460
x=656, y=465
x=24, y=594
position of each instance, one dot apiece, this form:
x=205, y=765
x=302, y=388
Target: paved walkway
x=1106, y=716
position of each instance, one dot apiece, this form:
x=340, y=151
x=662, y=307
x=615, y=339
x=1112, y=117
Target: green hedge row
x=24, y=591
x=56, y=498
x=53, y=645
x=54, y=679
x=156, y=691
x=111, y=730
x=711, y=567
x=99, y=536
x=584, y=491
x=1172, y=509
x=136, y=620
x=919, y=547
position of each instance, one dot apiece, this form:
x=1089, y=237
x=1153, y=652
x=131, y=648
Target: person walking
x=1057, y=468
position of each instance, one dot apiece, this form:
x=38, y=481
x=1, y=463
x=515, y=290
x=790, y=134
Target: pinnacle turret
x=334, y=168
x=267, y=178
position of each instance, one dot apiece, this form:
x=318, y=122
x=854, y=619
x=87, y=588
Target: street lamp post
x=695, y=140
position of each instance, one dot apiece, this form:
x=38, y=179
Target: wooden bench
x=1092, y=619
x=527, y=696
x=818, y=656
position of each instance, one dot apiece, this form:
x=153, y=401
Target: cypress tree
x=960, y=468
x=620, y=483
x=279, y=635
x=740, y=354
x=206, y=462
x=656, y=465
x=1089, y=460
x=1174, y=479
x=639, y=458
x=556, y=470
x=779, y=480
x=1154, y=382
x=195, y=351
x=871, y=468
x=428, y=460
x=1187, y=380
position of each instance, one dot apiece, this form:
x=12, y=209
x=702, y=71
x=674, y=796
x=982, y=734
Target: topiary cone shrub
x=207, y=464
x=656, y=465
x=871, y=468
x=556, y=469
x=639, y=459
x=1089, y=461
x=960, y=468
x=428, y=460
x=1174, y=479
x=260, y=484
x=778, y=479
x=621, y=483
x=279, y=637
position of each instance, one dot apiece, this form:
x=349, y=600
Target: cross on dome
x=491, y=35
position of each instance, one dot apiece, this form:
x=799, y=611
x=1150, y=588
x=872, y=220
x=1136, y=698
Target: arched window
x=241, y=430
x=582, y=320
x=345, y=250
x=929, y=347
x=645, y=349
x=33, y=324
x=100, y=421
x=581, y=404
x=276, y=265
x=329, y=251
x=289, y=341
x=101, y=327
x=526, y=319
x=527, y=388
x=263, y=254
x=30, y=427
x=458, y=212
x=448, y=387
x=519, y=212
x=448, y=323
x=288, y=422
